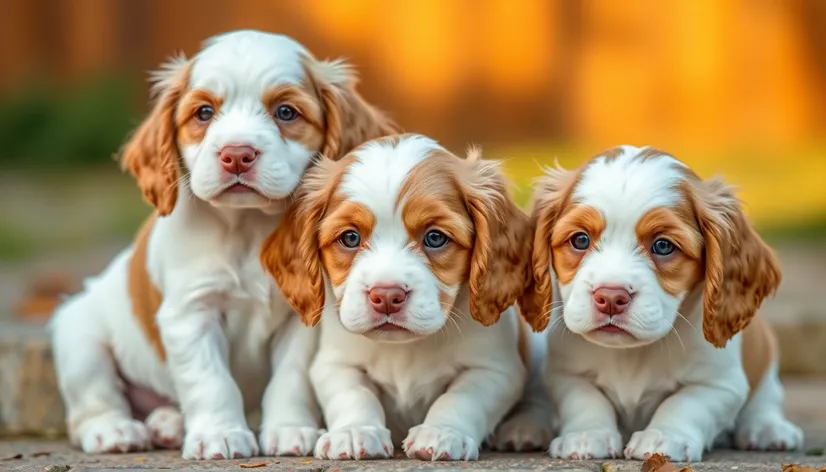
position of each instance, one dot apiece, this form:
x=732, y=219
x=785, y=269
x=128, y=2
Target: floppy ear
x=553, y=191
x=151, y=154
x=349, y=119
x=740, y=269
x=291, y=253
x=499, y=263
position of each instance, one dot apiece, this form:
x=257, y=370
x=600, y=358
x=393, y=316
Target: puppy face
x=238, y=123
x=630, y=235
x=401, y=227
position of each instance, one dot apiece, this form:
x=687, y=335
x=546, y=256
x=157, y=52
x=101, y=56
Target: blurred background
x=734, y=88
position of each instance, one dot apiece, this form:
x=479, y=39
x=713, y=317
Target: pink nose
x=238, y=159
x=611, y=301
x=387, y=300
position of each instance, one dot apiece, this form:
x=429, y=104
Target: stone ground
x=806, y=405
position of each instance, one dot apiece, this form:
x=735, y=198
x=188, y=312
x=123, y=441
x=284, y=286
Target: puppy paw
x=166, y=427
x=589, y=444
x=224, y=443
x=768, y=433
x=361, y=442
x=523, y=432
x=677, y=447
x=439, y=443
x=288, y=440
x=113, y=434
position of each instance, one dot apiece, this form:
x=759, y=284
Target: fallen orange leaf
x=253, y=465
x=659, y=463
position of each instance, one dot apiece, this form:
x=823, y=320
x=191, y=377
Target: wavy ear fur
x=151, y=155
x=291, y=253
x=349, y=119
x=740, y=269
x=553, y=192
x=500, y=261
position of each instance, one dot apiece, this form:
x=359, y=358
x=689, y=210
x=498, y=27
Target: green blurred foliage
x=44, y=127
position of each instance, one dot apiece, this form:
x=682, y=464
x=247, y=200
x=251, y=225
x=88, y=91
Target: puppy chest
x=635, y=398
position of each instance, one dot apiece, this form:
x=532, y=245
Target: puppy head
x=238, y=123
x=629, y=236
x=401, y=228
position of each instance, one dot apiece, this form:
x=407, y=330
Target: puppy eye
x=663, y=247
x=350, y=239
x=205, y=113
x=580, y=241
x=286, y=113
x=435, y=239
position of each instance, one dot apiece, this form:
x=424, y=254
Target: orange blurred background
x=736, y=87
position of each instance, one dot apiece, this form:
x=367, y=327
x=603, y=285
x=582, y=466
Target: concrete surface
x=805, y=400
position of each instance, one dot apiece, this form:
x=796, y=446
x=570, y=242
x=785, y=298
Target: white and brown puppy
x=656, y=273
x=408, y=255
x=186, y=315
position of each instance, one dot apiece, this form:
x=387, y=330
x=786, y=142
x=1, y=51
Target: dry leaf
x=798, y=468
x=41, y=453
x=11, y=457
x=253, y=465
x=658, y=463
x=141, y=459
x=308, y=462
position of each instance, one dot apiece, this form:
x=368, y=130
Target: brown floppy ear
x=349, y=119
x=499, y=263
x=291, y=253
x=552, y=194
x=151, y=154
x=740, y=269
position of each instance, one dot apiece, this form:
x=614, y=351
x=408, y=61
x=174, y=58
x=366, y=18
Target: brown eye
x=286, y=113
x=205, y=113
x=580, y=241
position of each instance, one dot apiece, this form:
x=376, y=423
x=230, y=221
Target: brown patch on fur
x=740, y=269
x=151, y=155
x=759, y=351
x=342, y=216
x=190, y=129
x=575, y=219
x=291, y=254
x=552, y=200
x=610, y=154
x=680, y=271
x=308, y=128
x=146, y=298
x=348, y=119
x=651, y=153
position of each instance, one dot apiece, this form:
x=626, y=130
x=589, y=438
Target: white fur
x=229, y=335
x=669, y=391
x=438, y=392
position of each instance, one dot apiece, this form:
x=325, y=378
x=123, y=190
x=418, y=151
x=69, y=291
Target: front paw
x=675, y=446
x=439, y=443
x=525, y=431
x=360, y=442
x=603, y=443
x=229, y=443
x=768, y=433
x=112, y=434
x=288, y=440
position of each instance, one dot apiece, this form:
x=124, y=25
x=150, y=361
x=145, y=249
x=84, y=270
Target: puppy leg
x=762, y=424
x=528, y=426
x=460, y=418
x=98, y=414
x=588, y=422
x=198, y=362
x=352, y=410
x=291, y=419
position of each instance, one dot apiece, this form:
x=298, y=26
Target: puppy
x=186, y=314
x=408, y=255
x=657, y=272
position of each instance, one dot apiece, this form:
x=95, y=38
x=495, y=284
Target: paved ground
x=806, y=405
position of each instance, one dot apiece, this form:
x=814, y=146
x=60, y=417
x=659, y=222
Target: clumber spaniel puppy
x=656, y=272
x=186, y=315
x=408, y=256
